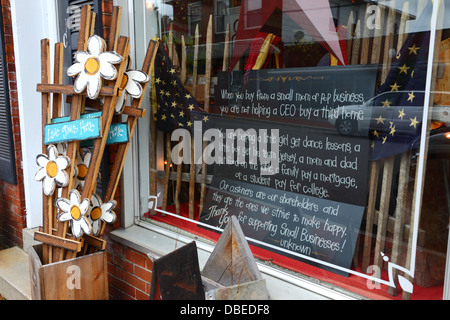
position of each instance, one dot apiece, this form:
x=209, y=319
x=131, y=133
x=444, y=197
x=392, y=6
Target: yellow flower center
x=82, y=172
x=75, y=211
x=96, y=213
x=52, y=169
x=124, y=82
x=92, y=66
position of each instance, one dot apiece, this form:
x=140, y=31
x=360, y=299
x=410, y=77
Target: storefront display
x=319, y=125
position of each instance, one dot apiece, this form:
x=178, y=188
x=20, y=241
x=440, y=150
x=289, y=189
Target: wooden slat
x=75, y=113
x=47, y=209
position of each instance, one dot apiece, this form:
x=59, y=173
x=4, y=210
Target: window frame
x=132, y=221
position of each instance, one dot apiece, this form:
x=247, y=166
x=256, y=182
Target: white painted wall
x=32, y=21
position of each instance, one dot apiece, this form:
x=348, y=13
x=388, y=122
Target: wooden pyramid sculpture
x=74, y=217
x=232, y=264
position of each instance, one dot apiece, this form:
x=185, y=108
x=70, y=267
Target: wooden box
x=83, y=278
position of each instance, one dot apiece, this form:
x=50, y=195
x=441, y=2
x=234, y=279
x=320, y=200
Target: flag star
x=174, y=82
x=413, y=49
x=402, y=114
x=174, y=104
x=162, y=92
x=205, y=118
x=180, y=125
x=189, y=124
x=411, y=96
x=414, y=122
x=181, y=114
x=392, y=131
x=172, y=116
x=380, y=119
x=386, y=104
x=391, y=124
x=168, y=94
x=172, y=71
x=384, y=139
x=404, y=69
x=191, y=107
x=395, y=87
x=157, y=80
x=375, y=133
x=163, y=117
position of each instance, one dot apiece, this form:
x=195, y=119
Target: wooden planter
x=83, y=278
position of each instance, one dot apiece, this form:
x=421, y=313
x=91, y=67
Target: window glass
x=320, y=125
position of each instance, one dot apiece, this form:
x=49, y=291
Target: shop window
x=7, y=155
x=311, y=126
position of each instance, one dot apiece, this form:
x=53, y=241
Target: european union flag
x=176, y=108
x=397, y=111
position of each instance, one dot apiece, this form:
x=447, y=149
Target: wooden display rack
x=59, y=248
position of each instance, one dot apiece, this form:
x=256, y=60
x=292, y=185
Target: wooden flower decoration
x=93, y=66
x=132, y=82
x=52, y=170
x=74, y=211
x=81, y=168
x=101, y=212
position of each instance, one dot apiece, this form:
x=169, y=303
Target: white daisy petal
x=84, y=206
x=64, y=216
x=109, y=217
x=87, y=159
x=94, y=86
x=41, y=174
x=81, y=82
x=81, y=57
x=96, y=227
x=74, y=197
x=42, y=160
x=62, y=179
x=62, y=162
x=138, y=76
x=85, y=225
x=111, y=57
x=75, y=69
x=95, y=200
x=134, y=89
x=63, y=204
x=108, y=71
x=76, y=229
x=95, y=45
x=120, y=104
x=110, y=205
x=49, y=186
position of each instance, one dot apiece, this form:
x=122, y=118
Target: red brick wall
x=12, y=197
x=129, y=273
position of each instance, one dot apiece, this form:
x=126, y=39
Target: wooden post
x=75, y=113
x=47, y=208
x=208, y=71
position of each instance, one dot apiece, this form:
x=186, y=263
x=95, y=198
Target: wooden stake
x=47, y=208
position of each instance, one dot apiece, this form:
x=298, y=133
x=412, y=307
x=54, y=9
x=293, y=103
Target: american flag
x=176, y=107
x=397, y=111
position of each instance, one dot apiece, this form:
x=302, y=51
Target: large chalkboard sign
x=313, y=203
